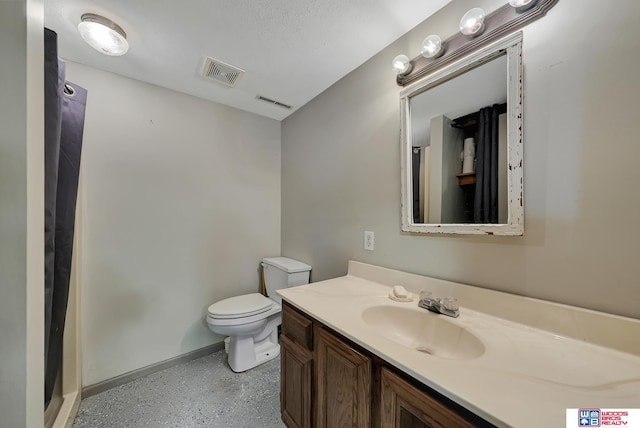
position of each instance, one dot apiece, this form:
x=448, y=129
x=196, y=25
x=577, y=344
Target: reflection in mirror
x=462, y=145
x=459, y=141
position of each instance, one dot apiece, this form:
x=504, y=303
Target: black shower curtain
x=485, y=208
x=64, y=124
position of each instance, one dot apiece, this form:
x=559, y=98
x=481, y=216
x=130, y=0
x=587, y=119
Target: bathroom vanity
x=352, y=357
x=351, y=386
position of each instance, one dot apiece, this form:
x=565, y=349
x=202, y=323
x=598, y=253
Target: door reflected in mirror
x=462, y=145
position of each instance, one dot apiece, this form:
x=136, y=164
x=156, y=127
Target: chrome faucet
x=447, y=306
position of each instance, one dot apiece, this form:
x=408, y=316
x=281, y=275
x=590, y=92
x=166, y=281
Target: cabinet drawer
x=297, y=326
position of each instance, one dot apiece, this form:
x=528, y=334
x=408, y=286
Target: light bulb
x=401, y=64
x=522, y=5
x=103, y=35
x=472, y=23
x=432, y=47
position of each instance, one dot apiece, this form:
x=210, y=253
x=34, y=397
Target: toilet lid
x=240, y=306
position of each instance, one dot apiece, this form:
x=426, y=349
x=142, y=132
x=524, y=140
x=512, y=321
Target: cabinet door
x=296, y=365
x=344, y=384
x=403, y=405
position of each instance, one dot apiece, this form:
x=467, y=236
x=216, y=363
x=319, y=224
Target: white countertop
x=526, y=376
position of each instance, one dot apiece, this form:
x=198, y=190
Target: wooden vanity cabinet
x=343, y=383
x=329, y=382
x=404, y=405
x=296, y=365
x=296, y=369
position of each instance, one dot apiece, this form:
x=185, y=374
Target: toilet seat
x=243, y=306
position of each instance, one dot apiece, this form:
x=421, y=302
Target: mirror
x=461, y=142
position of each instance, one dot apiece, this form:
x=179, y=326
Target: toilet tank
x=283, y=272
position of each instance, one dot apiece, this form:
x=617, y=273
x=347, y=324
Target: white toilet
x=251, y=320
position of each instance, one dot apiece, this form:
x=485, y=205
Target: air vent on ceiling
x=269, y=100
x=221, y=72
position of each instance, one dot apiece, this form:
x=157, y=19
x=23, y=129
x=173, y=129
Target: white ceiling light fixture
x=103, y=35
x=472, y=22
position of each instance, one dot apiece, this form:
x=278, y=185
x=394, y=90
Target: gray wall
x=180, y=199
x=341, y=172
x=21, y=214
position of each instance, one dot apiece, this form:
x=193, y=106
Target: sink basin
x=423, y=331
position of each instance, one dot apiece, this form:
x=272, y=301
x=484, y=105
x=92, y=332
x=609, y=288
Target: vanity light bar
x=476, y=30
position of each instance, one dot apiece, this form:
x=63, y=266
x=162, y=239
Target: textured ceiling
x=291, y=50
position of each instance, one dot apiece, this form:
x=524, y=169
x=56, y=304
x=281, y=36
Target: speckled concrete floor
x=200, y=393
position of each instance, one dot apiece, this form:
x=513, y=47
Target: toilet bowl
x=251, y=320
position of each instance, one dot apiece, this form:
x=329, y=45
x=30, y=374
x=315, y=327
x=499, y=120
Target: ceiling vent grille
x=269, y=100
x=221, y=72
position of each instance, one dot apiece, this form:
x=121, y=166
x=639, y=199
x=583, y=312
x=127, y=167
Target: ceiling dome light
x=432, y=47
x=103, y=35
x=472, y=23
x=401, y=64
x=522, y=5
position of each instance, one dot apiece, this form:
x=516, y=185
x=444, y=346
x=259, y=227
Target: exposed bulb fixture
x=432, y=47
x=401, y=64
x=472, y=23
x=522, y=5
x=103, y=35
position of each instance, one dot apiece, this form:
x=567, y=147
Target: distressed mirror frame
x=512, y=47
